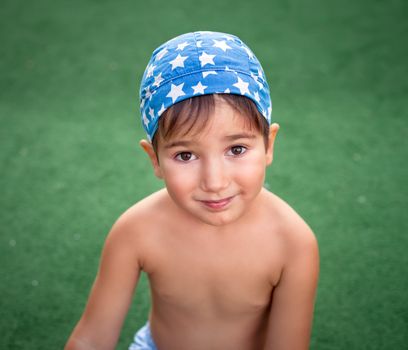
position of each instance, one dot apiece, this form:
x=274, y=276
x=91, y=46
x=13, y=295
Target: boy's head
x=202, y=64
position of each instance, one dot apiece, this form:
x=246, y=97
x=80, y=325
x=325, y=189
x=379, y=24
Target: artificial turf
x=70, y=162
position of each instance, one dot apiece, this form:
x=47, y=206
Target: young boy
x=231, y=266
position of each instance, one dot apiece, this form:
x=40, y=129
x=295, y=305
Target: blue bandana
x=200, y=63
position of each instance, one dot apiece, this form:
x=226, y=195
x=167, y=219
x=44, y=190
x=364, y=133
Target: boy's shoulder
x=292, y=229
x=146, y=213
x=135, y=229
x=144, y=220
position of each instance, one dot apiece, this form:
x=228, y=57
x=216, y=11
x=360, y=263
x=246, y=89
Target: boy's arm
x=290, y=320
x=111, y=294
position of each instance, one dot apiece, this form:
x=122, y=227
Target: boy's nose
x=214, y=177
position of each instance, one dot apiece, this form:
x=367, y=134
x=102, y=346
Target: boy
x=230, y=265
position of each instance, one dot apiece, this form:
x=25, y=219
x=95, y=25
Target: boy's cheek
x=174, y=175
x=253, y=174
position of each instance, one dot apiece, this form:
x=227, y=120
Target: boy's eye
x=185, y=156
x=237, y=150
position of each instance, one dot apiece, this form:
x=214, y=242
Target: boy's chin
x=217, y=219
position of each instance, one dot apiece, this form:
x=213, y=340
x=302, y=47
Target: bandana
x=200, y=63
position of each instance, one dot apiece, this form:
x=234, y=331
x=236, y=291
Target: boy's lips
x=217, y=204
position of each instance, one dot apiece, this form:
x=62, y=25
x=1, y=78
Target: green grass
x=70, y=162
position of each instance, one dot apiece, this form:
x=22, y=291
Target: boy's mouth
x=217, y=204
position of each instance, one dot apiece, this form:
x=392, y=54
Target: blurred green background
x=70, y=161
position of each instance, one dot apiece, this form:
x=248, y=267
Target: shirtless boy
x=231, y=266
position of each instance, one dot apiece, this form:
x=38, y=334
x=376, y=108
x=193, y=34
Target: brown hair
x=194, y=113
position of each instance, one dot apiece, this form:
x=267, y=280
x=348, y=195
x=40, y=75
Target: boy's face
x=214, y=174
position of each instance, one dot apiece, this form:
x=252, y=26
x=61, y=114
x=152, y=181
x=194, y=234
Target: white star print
x=142, y=103
x=182, y=46
x=227, y=91
x=151, y=112
x=161, y=110
x=221, y=44
x=150, y=70
x=257, y=98
x=242, y=86
x=209, y=72
x=206, y=59
x=178, y=62
x=161, y=54
x=229, y=37
x=199, y=88
x=146, y=121
x=158, y=79
x=199, y=42
x=176, y=91
x=148, y=93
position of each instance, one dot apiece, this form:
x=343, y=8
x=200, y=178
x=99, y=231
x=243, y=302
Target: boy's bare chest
x=229, y=277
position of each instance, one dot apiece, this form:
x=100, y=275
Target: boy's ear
x=148, y=148
x=273, y=131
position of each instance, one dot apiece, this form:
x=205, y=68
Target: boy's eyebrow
x=185, y=143
x=240, y=136
x=177, y=144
